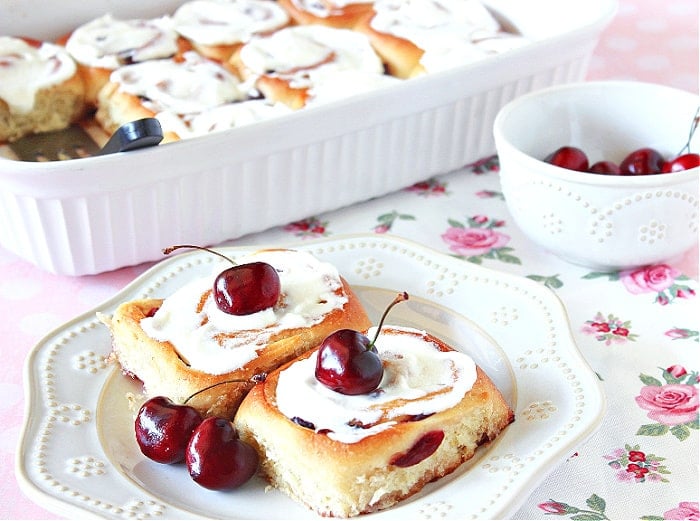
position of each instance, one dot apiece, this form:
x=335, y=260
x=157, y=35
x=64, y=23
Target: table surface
x=638, y=329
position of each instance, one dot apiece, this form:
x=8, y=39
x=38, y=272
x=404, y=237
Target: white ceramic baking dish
x=96, y=214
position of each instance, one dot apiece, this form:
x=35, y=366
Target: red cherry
x=604, y=167
x=242, y=289
x=642, y=161
x=247, y=288
x=680, y=163
x=571, y=158
x=163, y=429
x=348, y=363
x=217, y=458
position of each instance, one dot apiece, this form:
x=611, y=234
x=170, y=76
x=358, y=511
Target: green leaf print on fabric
x=595, y=511
x=550, y=281
x=386, y=220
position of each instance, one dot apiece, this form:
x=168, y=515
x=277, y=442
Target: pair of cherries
x=216, y=457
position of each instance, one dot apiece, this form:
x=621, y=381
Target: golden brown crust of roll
x=55, y=108
x=347, y=479
x=116, y=107
x=401, y=57
x=163, y=372
x=340, y=18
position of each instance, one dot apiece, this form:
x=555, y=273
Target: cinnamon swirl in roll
x=106, y=43
x=166, y=89
x=216, y=28
x=341, y=14
x=40, y=89
x=285, y=65
x=345, y=455
x=416, y=37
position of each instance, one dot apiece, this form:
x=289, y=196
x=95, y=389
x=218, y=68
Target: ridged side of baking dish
x=97, y=214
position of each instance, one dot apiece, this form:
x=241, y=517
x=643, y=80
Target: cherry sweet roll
x=285, y=65
x=343, y=455
x=167, y=89
x=40, y=88
x=416, y=37
x=217, y=28
x=106, y=43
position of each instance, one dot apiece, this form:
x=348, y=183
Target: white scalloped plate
x=77, y=455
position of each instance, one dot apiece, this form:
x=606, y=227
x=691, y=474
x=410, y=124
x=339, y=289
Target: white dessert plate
x=77, y=455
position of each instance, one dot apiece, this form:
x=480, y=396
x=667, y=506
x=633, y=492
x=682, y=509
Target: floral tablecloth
x=638, y=329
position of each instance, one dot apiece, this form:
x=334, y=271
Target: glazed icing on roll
x=215, y=342
x=182, y=87
x=344, y=84
x=223, y=117
x=25, y=69
x=419, y=380
x=216, y=22
x=325, y=8
x=108, y=43
x=303, y=53
x=450, y=32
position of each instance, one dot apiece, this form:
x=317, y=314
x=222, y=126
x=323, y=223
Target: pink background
x=648, y=40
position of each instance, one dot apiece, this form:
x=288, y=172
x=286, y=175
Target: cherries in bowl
x=603, y=220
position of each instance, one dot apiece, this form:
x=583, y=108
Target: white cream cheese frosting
x=189, y=86
x=223, y=117
x=215, y=342
x=306, y=52
x=450, y=32
x=326, y=8
x=108, y=42
x=343, y=84
x=26, y=69
x=227, y=22
x=419, y=379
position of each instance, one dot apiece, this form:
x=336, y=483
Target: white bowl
x=603, y=222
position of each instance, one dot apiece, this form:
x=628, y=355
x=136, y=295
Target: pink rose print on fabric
x=680, y=333
x=485, y=165
x=308, y=228
x=661, y=279
x=687, y=510
x=610, y=329
x=635, y=466
x=671, y=402
x=478, y=239
x=596, y=508
x=490, y=194
x=386, y=221
x=429, y=188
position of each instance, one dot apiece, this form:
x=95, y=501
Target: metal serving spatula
x=74, y=142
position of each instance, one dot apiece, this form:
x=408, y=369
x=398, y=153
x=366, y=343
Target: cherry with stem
x=242, y=289
x=348, y=361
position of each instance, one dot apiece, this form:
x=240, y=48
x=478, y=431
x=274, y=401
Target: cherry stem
x=171, y=249
x=399, y=298
x=256, y=378
x=693, y=128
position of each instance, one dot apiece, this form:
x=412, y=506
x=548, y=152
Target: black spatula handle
x=141, y=133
